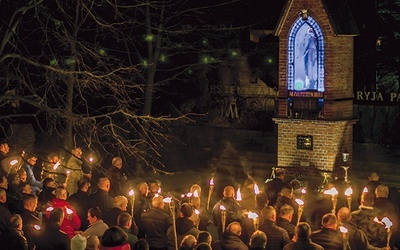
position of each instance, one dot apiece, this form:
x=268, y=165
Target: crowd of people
x=68, y=209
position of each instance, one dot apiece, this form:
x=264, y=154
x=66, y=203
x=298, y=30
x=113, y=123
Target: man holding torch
x=233, y=210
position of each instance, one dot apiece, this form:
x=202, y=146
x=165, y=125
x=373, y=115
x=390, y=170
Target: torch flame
x=299, y=202
x=49, y=209
x=222, y=207
x=365, y=190
x=252, y=215
x=348, y=192
x=343, y=229
x=91, y=159
x=333, y=191
x=303, y=191
x=37, y=227
x=68, y=172
x=56, y=165
x=131, y=192
x=13, y=162
x=167, y=199
x=195, y=193
x=377, y=220
x=256, y=189
x=159, y=191
x=196, y=211
x=212, y=182
x=238, y=195
x=189, y=194
x=69, y=211
x=387, y=222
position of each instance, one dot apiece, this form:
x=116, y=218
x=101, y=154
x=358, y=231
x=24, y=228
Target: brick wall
x=330, y=139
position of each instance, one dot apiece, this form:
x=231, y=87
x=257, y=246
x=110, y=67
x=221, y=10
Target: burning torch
x=223, y=217
x=254, y=216
x=348, y=193
x=333, y=192
x=210, y=191
x=299, y=210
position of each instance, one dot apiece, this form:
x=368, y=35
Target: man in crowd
x=80, y=201
x=155, y=224
x=13, y=237
x=286, y=197
x=52, y=237
x=328, y=237
x=96, y=225
x=234, y=211
x=184, y=226
x=4, y=161
x=36, y=186
x=277, y=236
x=230, y=239
x=111, y=216
x=357, y=238
x=125, y=222
x=274, y=187
x=71, y=222
x=285, y=217
x=101, y=198
x=117, y=177
x=32, y=223
x=5, y=214
x=142, y=203
x=74, y=166
x=302, y=239
x=364, y=218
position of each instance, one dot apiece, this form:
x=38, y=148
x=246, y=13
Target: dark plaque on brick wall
x=305, y=142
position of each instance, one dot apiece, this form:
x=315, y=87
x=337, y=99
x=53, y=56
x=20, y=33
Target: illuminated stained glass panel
x=306, y=56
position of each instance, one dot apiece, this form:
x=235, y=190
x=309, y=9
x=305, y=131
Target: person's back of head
x=186, y=209
x=78, y=242
x=57, y=215
x=121, y=202
x=229, y=192
x=280, y=173
x=158, y=201
x=234, y=228
x=61, y=193
x=15, y=221
x=344, y=214
x=367, y=199
x=382, y=191
x=373, y=176
x=114, y=236
x=203, y=246
x=124, y=220
x=262, y=199
x=287, y=191
x=93, y=243
x=258, y=240
x=141, y=245
x=268, y=213
x=286, y=210
x=83, y=184
x=188, y=242
x=49, y=182
x=204, y=236
x=303, y=230
x=30, y=201
x=329, y=221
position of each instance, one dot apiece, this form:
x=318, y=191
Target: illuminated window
x=306, y=56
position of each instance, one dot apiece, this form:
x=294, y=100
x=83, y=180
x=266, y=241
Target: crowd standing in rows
x=66, y=209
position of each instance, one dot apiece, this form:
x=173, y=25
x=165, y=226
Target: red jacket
x=71, y=222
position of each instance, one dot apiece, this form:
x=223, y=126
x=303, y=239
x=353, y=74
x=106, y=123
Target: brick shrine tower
x=315, y=98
